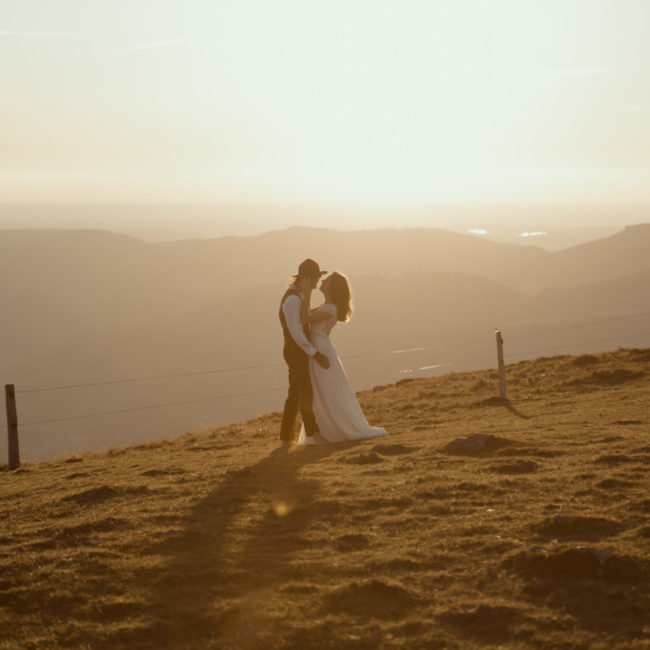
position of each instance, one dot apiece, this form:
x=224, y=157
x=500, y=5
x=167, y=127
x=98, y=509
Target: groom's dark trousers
x=300, y=394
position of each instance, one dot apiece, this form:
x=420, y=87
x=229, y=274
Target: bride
x=337, y=410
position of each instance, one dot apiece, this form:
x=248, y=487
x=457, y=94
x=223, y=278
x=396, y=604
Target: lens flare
x=282, y=506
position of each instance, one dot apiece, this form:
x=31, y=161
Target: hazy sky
x=337, y=101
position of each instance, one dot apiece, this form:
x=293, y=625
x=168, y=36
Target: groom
x=297, y=350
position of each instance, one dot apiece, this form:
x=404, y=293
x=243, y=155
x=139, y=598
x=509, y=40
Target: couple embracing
x=318, y=385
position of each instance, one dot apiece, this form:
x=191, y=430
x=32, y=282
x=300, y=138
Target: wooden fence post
x=12, y=427
x=502, y=370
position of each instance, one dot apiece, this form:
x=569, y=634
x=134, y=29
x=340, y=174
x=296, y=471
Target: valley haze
x=152, y=339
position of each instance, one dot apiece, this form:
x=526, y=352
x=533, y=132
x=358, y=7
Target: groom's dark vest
x=290, y=346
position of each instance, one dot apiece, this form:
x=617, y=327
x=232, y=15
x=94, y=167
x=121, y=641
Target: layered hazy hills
x=61, y=281
x=89, y=306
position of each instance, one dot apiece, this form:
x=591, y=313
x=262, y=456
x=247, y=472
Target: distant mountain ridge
x=619, y=255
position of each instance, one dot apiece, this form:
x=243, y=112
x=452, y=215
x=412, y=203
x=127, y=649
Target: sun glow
x=363, y=102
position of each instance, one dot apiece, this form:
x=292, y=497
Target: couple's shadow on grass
x=226, y=568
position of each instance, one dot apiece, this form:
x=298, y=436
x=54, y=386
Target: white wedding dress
x=338, y=414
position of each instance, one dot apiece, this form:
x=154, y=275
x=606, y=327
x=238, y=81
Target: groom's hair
x=341, y=296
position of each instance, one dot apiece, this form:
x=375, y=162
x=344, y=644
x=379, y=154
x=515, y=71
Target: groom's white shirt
x=291, y=311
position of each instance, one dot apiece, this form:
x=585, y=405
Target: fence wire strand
x=273, y=365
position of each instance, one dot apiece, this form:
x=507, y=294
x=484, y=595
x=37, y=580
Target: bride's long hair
x=341, y=296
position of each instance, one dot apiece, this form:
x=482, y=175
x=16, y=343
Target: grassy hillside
x=538, y=537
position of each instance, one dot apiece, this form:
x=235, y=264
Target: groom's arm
x=291, y=308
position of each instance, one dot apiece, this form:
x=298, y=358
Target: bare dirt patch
x=372, y=598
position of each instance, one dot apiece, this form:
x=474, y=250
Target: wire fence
x=225, y=370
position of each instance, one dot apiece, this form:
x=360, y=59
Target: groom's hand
x=322, y=360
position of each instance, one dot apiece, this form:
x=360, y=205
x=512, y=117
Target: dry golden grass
x=221, y=540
